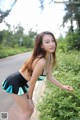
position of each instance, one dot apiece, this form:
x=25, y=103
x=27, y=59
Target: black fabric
x=17, y=81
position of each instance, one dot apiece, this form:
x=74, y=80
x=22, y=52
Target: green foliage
x=8, y=51
x=17, y=37
x=28, y=41
x=70, y=42
x=62, y=45
x=73, y=41
x=7, y=38
x=1, y=37
x=72, y=13
x=14, y=42
x=58, y=104
x=70, y=62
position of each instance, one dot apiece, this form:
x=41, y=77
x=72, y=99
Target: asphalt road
x=8, y=66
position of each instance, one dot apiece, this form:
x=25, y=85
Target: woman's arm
x=36, y=73
x=56, y=82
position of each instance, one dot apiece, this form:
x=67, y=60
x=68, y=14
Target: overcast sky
x=29, y=15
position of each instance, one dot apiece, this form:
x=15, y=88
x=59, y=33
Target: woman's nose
x=52, y=43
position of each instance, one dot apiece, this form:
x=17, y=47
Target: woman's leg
x=23, y=102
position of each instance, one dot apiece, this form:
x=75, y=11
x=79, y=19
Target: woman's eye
x=47, y=42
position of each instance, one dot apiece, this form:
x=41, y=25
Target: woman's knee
x=31, y=111
x=28, y=112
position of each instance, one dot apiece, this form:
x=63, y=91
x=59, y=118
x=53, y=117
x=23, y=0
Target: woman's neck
x=47, y=56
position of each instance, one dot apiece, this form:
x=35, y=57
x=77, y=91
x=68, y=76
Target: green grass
x=58, y=104
x=8, y=51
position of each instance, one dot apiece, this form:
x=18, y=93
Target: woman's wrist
x=29, y=97
x=62, y=86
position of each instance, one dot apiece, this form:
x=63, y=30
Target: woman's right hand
x=31, y=104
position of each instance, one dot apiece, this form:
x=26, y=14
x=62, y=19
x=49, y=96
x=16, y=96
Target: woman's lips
x=52, y=48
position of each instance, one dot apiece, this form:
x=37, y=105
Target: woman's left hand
x=67, y=87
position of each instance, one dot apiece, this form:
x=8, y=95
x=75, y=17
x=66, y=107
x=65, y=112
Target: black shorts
x=16, y=84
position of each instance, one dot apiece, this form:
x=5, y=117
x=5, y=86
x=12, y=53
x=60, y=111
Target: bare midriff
x=25, y=74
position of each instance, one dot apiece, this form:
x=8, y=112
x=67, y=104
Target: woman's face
x=48, y=43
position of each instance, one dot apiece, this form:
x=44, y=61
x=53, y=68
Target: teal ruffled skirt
x=16, y=84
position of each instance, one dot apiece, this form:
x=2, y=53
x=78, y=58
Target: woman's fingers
x=31, y=104
x=69, y=88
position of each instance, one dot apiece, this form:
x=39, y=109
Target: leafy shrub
x=58, y=104
x=73, y=41
x=8, y=51
x=70, y=42
x=62, y=44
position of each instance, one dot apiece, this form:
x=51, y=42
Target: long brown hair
x=39, y=52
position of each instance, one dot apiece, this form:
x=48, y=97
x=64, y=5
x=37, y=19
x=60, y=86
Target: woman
x=21, y=84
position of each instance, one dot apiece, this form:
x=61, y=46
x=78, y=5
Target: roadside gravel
x=38, y=92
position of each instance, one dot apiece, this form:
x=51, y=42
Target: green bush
x=58, y=104
x=70, y=42
x=62, y=44
x=8, y=51
x=73, y=41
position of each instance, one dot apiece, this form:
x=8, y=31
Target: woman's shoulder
x=39, y=61
x=42, y=61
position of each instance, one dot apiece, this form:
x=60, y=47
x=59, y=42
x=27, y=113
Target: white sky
x=29, y=15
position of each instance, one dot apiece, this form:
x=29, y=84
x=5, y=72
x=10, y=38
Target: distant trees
x=72, y=37
x=72, y=13
x=17, y=37
x=72, y=9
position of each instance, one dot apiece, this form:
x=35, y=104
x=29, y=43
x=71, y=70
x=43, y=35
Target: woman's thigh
x=22, y=101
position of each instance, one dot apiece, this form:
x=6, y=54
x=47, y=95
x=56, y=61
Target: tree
x=73, y=40
x=4, y=13
x=72, y=13
x=31, y=33
x=72, y=9
x=1, y=36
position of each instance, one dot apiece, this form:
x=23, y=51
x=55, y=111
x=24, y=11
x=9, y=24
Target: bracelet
x=28, y=97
